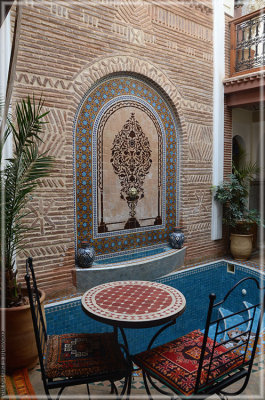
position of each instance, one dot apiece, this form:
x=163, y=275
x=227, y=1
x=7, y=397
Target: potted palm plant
x=20, y=176
x=233, y=195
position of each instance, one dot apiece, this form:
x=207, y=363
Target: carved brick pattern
x=43, y=81
x=200, y=142
x=201, y=203
x=174, y=21
x=107, y=65
x=53, y=135
x=199, y=227
x=47, y=216
x=207, y=179
x=54, y=143
x=135, y=13
x=52, y=183
x=196, y=105
x=203, y=6
x=59, y=11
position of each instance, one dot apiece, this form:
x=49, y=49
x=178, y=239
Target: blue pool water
x=195, y=283
x=131, y=256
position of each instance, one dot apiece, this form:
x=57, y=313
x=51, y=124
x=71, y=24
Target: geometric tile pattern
x=100, y=97
x=134, y=302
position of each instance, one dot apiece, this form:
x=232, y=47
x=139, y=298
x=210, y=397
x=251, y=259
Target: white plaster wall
x=246, y=124
x=242, y=126
x=218, y=115
x=229, y=7
x=251, y=5
x=257, y=120
x=5, y=50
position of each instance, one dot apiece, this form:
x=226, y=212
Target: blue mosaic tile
x=92, y=107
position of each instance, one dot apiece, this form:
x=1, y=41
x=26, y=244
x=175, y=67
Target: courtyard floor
x=100, y=391
x=253, y=391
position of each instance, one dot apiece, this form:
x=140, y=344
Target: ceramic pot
x=176, y=238
x=85, y=256
x=241, y=246
x=21, y=349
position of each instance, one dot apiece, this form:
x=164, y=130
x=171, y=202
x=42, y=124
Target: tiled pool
x=195, y=283
x=131, y=255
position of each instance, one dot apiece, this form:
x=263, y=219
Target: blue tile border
x=172, y=129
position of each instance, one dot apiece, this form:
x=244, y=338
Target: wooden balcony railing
x=248, y=43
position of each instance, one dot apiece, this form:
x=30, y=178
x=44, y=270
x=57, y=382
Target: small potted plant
x=233, y=195
x=20, y=176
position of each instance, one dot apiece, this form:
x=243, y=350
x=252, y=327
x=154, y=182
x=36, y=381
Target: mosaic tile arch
x=126, y=165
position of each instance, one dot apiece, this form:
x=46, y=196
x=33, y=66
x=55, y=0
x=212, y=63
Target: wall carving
x=198, y=179
x=107, y=65
x=132, y=34
x=90, y=20
x=181, y=24
x=200, y=143
x=116, y=63
x=134, y=13
x=40, y=214
x=201, y=205
x=199, y=227
x=59, y=11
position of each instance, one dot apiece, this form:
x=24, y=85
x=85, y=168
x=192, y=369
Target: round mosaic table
x=133, y=304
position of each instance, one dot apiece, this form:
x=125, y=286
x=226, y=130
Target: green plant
x=244, y=171
x=232, y=194
x=20, y=176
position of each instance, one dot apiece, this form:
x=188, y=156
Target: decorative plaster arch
x=104, y=66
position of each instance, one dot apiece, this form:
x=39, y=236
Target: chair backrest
x=230, y=341
x=38, y=318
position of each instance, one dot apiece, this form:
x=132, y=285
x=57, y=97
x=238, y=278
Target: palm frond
x=22, y=173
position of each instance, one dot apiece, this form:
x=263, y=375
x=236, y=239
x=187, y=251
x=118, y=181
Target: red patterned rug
x=18, y=385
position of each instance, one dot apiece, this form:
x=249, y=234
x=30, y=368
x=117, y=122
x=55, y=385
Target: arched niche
x=111, y=106
x=239, y=150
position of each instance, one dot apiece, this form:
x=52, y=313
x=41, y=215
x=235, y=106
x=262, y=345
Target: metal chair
x=74, y=359
x=198, y=364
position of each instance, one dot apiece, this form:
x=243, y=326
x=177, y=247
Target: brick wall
x=66, y=48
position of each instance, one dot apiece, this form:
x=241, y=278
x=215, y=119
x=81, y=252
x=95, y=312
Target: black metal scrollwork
x=250, y=43
x=130, y=159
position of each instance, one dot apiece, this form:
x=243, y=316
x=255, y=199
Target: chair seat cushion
x=83, y=354
x=176, y=363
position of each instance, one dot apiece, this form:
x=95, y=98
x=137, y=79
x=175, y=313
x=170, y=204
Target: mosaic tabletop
x=133, y=303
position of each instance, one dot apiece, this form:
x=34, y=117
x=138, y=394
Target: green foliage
x=19, y=178
x=232, y=194
x=244, y=171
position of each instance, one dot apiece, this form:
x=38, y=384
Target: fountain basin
x=142, y=264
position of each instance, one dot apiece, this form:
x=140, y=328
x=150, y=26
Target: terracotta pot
x=250, y=228
x=21, y=349
x=241, y=246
